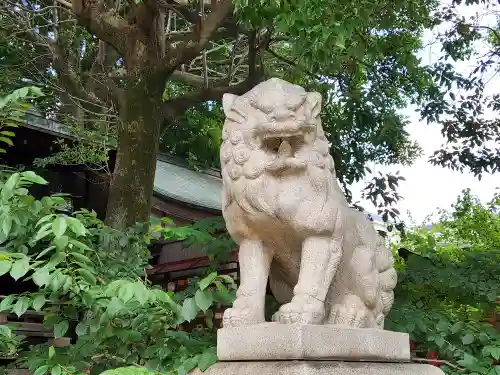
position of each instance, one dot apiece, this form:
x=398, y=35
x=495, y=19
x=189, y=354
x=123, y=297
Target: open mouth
x=284, y=148
x=284, y=145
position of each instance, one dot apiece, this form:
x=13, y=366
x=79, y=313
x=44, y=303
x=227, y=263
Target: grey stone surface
x=274, y=341
x=318, y=368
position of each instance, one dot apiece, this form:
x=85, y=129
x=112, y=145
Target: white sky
x=428, y=187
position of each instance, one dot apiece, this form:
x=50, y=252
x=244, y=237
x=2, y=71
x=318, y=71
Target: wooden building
x=180, y=193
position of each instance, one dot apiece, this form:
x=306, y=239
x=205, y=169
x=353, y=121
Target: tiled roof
x=173, y=178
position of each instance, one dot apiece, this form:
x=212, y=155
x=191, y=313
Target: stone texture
x=318, y=368
x=284, y=207
x=273, y=341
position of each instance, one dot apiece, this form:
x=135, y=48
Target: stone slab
x=274, y=341
x=318, y=368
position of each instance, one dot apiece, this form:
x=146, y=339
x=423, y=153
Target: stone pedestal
x=319, y=368
x=296, y=349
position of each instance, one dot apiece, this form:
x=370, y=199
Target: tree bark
x=132, y=183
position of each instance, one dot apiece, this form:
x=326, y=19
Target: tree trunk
x=132, y=183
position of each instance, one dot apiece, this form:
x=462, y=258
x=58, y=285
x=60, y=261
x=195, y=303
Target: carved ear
x=314, y=100
x=227, y=102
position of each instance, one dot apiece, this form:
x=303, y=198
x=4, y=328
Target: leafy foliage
x=449, y=285
x=12, y=110
x=462, y=106
x=90, y=284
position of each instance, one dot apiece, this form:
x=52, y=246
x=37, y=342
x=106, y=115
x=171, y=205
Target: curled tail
x=387, y=280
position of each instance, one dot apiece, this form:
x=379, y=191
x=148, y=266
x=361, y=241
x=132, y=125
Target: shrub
x=89, y=279
x=449, y=286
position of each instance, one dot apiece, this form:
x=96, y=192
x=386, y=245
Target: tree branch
x=293, y=63
x=193, y=79
x=199, y=39
x=173, y=108
x=106, y=24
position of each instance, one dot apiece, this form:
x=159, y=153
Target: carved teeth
x=285, y=149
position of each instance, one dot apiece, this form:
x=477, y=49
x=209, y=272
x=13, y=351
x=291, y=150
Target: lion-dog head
x=272, y=131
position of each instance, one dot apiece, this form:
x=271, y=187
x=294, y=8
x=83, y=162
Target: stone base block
x=318, y=368
x=274, y=341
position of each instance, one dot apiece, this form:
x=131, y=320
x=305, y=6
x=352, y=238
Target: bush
x=89, y=279
x=450, y=285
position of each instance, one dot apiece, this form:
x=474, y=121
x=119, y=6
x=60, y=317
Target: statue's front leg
x=319, y=262
x=255, y=261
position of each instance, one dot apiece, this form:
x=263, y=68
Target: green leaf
x=189, y=309
x=76, y=226
x=52, y=351
x=20, y=268
x=440, y=341
x=114, y=306
x=60, y=329
x=81, y=258
x=457, y=327
x=59, y=226
x=56, y=370
x=81, y=329
x=7, y=140
x=6, y=303
x=126, y=292
x=204, y=283
x=442, y=326
x=203, y=299
x=38, y=302
x=42, y=277
x=7, y=225
x=468, y=339
x=41, y=370
x=44, y=219
x=207, y=359
x=5, y=331
x=33, y=177
x=21, y=306
x=58, y=280
x=57, y=258
x=467, y=361
x=87, y=276
x=79, y=244
x=494, y=351
x=10, y=184
x=140, y=293
x=61, y=242
x=188, y=365
x=45, y=252
x=5, y=266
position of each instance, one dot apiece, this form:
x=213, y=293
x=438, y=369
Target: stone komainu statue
x=283, y=206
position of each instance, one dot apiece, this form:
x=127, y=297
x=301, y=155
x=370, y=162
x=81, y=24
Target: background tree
x=134, y=68
x=468, y=110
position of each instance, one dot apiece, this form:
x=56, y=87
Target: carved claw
x=245, y=311
x=235, y=317
x=302, y=309
x=358, y=317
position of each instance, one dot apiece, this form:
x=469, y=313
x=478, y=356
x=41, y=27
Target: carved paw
x=355, y=316
x=302, y=309
x=243, y=313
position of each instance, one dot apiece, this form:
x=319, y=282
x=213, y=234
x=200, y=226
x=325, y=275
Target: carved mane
x=243, y=159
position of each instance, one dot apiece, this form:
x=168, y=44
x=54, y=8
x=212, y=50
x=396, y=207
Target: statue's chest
x=291, y=196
